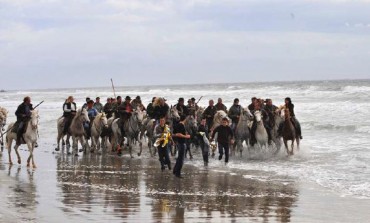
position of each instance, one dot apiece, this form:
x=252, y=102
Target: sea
x=334, y=153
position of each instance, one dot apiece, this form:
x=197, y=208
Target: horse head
x=83, y=114
x=258, y=116
x=174, y=113
x=34, y=119
x=3, y=116
x=139, y=115
x=103, y=120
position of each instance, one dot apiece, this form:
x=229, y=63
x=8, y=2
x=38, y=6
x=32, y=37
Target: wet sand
x=107, y=188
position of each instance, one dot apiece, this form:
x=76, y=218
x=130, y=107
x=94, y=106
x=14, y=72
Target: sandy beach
x=108, y=188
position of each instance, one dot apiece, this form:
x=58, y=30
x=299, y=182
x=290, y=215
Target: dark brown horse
x=289, y=132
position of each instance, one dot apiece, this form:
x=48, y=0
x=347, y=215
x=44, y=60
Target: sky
x=69, y=43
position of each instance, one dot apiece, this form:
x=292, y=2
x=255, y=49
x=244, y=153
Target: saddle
x=16, y=126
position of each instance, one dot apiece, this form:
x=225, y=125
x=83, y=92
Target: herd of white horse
x=106, y=135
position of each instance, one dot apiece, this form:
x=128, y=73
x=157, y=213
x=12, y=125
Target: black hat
x=128, y=98
x=181, y=99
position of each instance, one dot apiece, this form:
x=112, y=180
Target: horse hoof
x=69, y=153
x=19, y=162
x=57, y=149
x=80, y=150
x=139, y=154
x=76, y=154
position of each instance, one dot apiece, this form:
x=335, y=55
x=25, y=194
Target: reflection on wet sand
x=130, y=189
x=20, y=199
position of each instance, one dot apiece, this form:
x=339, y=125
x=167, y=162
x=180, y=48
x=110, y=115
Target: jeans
x=205, y=151
x=180, y=159
x=221, y=148
x=164, y=157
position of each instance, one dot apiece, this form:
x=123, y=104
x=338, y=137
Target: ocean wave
x=356, y=89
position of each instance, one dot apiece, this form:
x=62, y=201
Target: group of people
x=176, y=134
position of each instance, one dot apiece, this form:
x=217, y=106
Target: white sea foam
x=335, y=151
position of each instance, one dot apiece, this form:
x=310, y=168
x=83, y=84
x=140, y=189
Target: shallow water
x=332, y=165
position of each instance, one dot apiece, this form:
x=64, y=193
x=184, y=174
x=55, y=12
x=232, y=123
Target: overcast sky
x=69, y=43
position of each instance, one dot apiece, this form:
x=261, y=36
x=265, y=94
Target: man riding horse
x=290, y=106
x=124, y=112
x=23, y=114
x=265, y=117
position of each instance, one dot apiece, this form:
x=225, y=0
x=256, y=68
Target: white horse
x=242, y=132
x=61, y=135
x=261, y=133
x=132, y=131
x=100, y=122
x=29, y=138
x=77, y=130
x=217, y=120
x=3, y=117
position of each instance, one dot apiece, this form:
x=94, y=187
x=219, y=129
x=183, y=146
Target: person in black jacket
x=181, y=108
x=203, y=129
x=209, y=113
x=69, y=111
x=160, y=109
x=225, y=136
x=23, y=114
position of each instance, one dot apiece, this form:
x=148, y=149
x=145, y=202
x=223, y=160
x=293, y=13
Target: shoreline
x=117, y=189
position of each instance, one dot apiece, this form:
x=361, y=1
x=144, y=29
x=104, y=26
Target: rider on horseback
x=92, y=113
x=234, y=113
x=69, y=111
x=23, y=114
x=124, y=111
x=290, y=106
x=265, y=117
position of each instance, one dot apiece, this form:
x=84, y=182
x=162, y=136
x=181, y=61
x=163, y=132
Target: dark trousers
x=20, y=130
x=180, y=159
x=224, y=147
x=164, y=157
x=67, y=123
x=205, y=152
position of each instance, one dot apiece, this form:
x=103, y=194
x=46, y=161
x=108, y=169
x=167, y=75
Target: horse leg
x=93, y=144
x=298, y=141
x=141, y=147
x=75, y=145
x=286, y=146
x=9, y=144
x=130, y=142
x=30, y=148
x=292, y=152
x=58, y=142
x=18, y=156
x=98, y=145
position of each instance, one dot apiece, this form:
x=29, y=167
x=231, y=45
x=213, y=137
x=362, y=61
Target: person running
x=162, y=134
x=203, y=140
x=181, y=136
x=224, y=139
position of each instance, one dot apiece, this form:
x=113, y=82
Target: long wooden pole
x=114, y=91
